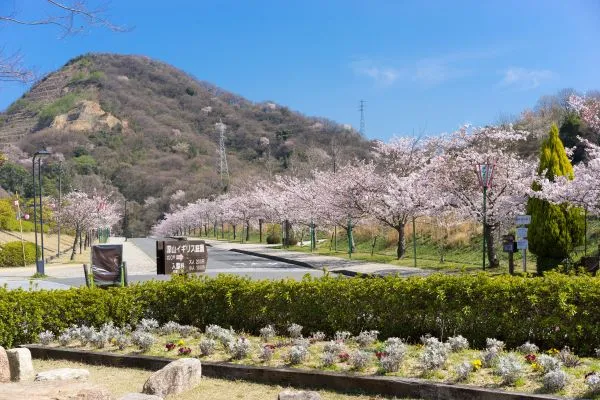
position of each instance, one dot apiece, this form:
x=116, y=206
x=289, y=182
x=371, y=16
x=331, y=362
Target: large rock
x=21, y=368
x=298, y=395
x=63, y=374
x=140, y=396
x=176, y=377
x=4, y=366
x=56, y=390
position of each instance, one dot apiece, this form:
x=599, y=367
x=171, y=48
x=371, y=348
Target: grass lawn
x=462, y=253
x=126, y=380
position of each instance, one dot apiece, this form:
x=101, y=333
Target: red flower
x=270, y=346
x=170, y=346
x=344, y=357
x=380, y=354
x=184, y=351
x=530, y=358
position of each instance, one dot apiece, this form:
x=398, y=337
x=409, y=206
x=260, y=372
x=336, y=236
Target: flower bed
x=525, y=369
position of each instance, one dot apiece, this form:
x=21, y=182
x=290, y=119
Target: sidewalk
x=332, y=264
x=138, y=263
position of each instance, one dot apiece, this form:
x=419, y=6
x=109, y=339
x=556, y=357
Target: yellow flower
x=552, y=352
x=476, y=364
x=536, y=367
x=180, y=342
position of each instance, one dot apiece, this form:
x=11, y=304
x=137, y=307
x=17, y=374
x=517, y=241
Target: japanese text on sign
x=181, y=256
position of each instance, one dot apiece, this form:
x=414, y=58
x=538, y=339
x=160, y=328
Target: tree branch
x=66, y=16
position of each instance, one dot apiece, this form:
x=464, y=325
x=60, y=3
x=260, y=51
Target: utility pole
x=361, y=108
x=223, y=168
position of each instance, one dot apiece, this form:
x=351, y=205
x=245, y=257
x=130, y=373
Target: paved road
x=140, y=255
x=228, y=262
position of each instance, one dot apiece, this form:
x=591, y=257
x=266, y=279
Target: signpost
x=522, y=242
x=508, y=242
x=180, y=256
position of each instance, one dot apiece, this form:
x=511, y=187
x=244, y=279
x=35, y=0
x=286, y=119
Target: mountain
x=149, y=132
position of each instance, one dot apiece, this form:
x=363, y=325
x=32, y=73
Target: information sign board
x=180, y=256
x=521, y=233
x=523, y=219
x=522, y=244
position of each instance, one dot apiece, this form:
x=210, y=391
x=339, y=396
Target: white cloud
x=380, y=74
x=433, y=72
x=523, y=78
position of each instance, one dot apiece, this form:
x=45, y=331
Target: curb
x=300, y=263
x=381, y=385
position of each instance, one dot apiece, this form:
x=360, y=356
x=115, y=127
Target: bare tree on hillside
x=70, y=17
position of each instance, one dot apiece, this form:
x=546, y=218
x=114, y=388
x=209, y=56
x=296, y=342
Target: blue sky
x=423, y=67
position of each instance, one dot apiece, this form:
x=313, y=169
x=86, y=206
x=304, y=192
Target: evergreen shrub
x=552, y=311
x=11, y=254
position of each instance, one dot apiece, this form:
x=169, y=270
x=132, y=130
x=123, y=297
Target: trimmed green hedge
x=552, y=311
x=11, y=254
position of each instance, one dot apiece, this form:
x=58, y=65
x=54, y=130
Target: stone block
x=21, y=367
x=298, y=395
x=4, y=366
x=176, y=377
x=140, y=396
x=63, y=374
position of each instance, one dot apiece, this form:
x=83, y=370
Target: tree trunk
x=260, y=224
x=75, y=244
x=491, y=250
x=247, y=231
x=288, y=229
x=234, y=233
x=401, y=247
x=80, y=242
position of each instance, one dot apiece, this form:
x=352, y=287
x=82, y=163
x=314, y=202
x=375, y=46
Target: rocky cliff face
x=86, y=116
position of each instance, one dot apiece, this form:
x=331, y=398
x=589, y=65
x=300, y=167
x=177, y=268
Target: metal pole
x=484, y=222
x=585, y=234
x=524, y=260
x=41, y=213
x=20, y=215
x=37, y=255
x=414, y=241
x=59, y=205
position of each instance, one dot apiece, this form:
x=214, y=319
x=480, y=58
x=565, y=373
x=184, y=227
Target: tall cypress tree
x=555, y=228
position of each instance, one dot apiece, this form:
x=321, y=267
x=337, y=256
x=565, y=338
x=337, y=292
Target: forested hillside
x=147, y=132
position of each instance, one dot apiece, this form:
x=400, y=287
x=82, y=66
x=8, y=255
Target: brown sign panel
x=106, y=264
x=180, y=256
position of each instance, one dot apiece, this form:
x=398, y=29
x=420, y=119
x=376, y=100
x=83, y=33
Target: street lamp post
x=39, y=263
x=59, y=206
x=485, y=174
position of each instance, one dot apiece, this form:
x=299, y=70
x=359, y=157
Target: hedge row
x=12, y=253
x=552, y=311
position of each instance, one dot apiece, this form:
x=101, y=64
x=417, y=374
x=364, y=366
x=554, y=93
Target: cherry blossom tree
x=396, y=190
x=588, y=109
x=453, y=173
x=82, y=212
